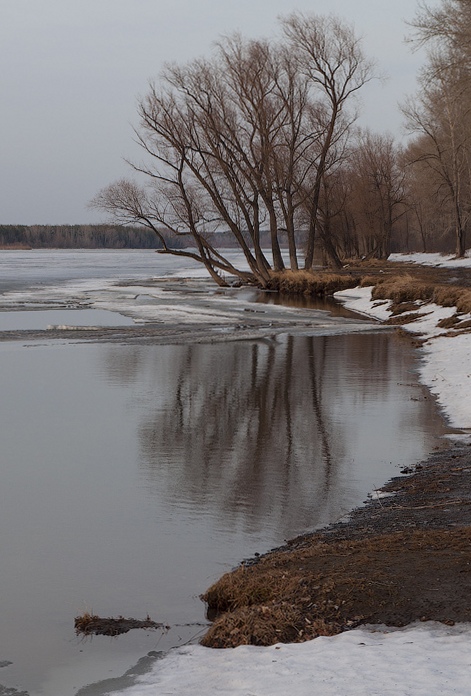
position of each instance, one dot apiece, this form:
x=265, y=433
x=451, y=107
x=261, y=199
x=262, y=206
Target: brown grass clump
x=403, y=319
x=88, y=624
x=448, y=322
x=307, y=283
x=403, y=307
x=403, y=288
x=372, y=262
x=447, y=295
x=84, y=621
x=325, y=587
x=368, y=280
x=463, y=303
x=244, y=588
x=266, y=625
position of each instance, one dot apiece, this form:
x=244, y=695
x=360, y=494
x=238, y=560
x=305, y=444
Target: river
x=134, y=475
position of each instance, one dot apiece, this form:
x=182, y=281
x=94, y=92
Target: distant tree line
x=78, y=237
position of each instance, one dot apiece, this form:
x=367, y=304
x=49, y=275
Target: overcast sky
x=72, y=71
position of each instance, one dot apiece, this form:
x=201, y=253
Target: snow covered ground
x=447, y=261
x=426, y=659
x=420, y=660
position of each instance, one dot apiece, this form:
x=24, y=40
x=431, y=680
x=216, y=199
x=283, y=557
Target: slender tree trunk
x=278, y=263
x=293, y=256
x=309, y=259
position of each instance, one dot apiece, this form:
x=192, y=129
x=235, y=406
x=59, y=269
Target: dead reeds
x=319, y=284
x=325, y=588
x=402, y=288
x=88, y=624
x=408, y=294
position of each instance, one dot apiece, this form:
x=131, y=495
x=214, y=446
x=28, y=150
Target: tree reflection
x=248, y=432
x=268, y=433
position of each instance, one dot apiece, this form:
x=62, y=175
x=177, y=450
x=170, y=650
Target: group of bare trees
x=439, y=118
x=246, y=141
x=258, y=142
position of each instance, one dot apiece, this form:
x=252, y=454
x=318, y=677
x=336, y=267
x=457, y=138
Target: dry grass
x=403, y=307
x=447, y=295
x=84, y=621
x=324, y=588
x=368, y=280
x=463, y=304
x=90, y=624
x=407, y=294
x=403, y=319
x=448, y=322
x=307, y=283
x=403, y=288
x=362, y=263
x=266, y=625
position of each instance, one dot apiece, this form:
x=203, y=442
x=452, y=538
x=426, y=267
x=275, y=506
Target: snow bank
x=424, y=660
x=448, y=261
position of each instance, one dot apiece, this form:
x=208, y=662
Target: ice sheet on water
x=75, y=318
x=194, y=301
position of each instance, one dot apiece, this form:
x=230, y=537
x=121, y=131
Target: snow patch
x=421, y=660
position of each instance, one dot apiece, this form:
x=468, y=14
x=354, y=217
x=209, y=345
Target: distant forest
x=79, y=237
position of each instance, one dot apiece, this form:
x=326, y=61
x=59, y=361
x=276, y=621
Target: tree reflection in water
x=275, y=433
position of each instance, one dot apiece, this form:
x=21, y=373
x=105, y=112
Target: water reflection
x=283, y=435
x=147, y=471
x=325, y=304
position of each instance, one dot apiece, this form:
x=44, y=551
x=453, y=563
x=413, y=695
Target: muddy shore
x=401, y=557
x=405, y=555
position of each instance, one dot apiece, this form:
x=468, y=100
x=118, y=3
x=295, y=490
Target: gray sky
x=72, y=71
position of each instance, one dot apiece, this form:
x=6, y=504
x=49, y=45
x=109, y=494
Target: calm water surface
x=134, y=476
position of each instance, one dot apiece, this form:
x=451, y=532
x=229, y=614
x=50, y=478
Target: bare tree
x=439, y=116
x=242, y=142
x=447, y=25
x=378, y=194
x=331, y=57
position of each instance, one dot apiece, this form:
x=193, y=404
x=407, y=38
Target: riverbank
x=402, y=557
x=428, y=506
x=116, y=393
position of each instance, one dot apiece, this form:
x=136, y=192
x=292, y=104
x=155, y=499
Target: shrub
x=307, y=283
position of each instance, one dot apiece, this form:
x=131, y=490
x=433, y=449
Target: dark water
x=133, y=476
